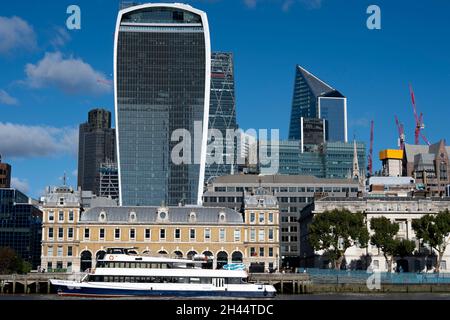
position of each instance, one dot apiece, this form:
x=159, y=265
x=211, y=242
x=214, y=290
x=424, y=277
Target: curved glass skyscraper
x=162, y=66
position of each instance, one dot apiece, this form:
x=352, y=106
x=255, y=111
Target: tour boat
x=122, y=274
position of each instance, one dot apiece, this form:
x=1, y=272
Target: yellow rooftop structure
x=391, y=154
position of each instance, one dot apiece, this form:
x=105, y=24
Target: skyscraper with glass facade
x=222, y=111
x=313, y=98
x=96, y=145
x=162, y=72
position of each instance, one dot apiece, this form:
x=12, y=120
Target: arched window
x=86, y=260
x=237, y=257
x=222, y=259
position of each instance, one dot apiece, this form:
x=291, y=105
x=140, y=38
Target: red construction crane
x=370, y=157
x=401, y=133
x=419, y=121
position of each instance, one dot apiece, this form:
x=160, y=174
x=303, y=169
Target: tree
x=405, y=248
x=434, y=230
x=10, y=262
x=384, y=237
x=337, y=230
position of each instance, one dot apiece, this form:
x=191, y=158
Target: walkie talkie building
x=162, y=74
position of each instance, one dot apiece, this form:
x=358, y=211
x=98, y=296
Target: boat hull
x=110, y=292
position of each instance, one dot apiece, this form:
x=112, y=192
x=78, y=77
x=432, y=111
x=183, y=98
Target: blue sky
x=51, y=77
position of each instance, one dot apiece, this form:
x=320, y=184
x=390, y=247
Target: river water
x=331, y=296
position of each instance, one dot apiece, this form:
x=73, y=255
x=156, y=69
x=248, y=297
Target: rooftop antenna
x=64, y=179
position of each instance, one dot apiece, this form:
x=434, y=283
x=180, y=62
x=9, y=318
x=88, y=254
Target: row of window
x=147, y=234
x=260, y=252
x=61, y=216
x=261, y=217
x=59, y=251
x=285, y=189
x=134, y=279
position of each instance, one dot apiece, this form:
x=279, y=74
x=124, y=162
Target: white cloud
x=22, y=141
x=16, y=33
x=5, y=98
x=72, y=76
x=312, y=4
x=75, y=173
x=19, y=184
x=61, y=37
x=287, y=4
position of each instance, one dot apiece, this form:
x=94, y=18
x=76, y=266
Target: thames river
x=331, y=296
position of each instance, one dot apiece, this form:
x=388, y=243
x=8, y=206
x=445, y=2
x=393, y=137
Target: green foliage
x=384, y=235
x=434, y=231
x=405, y=248
x=335, y=231
x=10, y=262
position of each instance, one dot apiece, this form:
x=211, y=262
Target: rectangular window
x=237, y=235
x=252, y=252
x=117, y=234
x=51, y=216
x=270, y=217
x=69, y=266
x=61, y=216
x=252, y=217
x=162, y=234
x=261, y=235
x=261, y=252
x=270, y=252
x=222, y=235
x=69, y=251
x=86, y=233
x=60, y=251
x=71, y=217
x=270, y=234
x=50, y=251
x=49, y=266
x=253, y=235
x=50, y=233
x=60, y=233
x=207, y=234
x=261, y=217
x=177, y=234
x=70, y=233
x=132, y=234
x=192, y=234
x=101, y=233
x=147, y=234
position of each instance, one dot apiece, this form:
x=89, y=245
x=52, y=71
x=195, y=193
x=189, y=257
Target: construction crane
x=401, y=133
x=370, y=157
x=419, y=121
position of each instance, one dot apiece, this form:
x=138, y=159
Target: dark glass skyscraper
x=313, y=98
x=222, y=109
x=96, y=145
x=162, y=66
x=20, y=225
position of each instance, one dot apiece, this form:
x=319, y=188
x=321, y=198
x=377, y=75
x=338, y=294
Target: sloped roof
x=411, y=150
x=181, y=215
x=317, y=86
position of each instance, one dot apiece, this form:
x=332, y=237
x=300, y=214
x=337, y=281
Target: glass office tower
x=162, y=72
x=222, y=111
x=313, y=98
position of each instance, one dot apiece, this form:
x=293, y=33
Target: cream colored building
x=221, y=234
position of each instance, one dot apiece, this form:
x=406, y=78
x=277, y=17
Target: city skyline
x=48, y=108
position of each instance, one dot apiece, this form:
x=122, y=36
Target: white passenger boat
x=120, y=274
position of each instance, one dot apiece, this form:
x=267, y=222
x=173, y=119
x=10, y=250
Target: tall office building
x=313, y=98
x=20, y=225
x=96, y=146
x=5, y=174
x=162, y=72
x=222, y=112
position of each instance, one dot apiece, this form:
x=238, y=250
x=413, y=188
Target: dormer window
x=102, y=216
x=132, y=216
x=162, y=215
x=61, y=201
x=222, y=217
x=192, y=217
